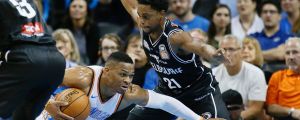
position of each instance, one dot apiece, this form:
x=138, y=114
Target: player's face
x=108, y=47
x=292, y=55
x=232, y=51
x=221, y=17
x=246, y=7
x=120, y=76
x=135, y=48
x=78, y=9
x=248, y=52
x=179, y=7
x=149, y=19
x=270, y=16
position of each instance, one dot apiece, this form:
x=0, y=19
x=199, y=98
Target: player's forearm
x=171, y=105
x=206, y=51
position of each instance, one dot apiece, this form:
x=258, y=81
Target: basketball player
x=109, y=89
x=31, y=66
x=174, y=55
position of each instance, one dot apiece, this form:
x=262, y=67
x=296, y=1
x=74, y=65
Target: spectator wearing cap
x=234, y=103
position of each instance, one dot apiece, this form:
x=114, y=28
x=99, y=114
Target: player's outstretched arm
x=131, y=8
x=185, y=41
x=151, y=99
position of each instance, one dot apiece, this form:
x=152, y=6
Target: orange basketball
x=79, y=105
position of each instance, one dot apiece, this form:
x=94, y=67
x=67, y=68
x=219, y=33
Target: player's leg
x=143, y=113
x=211, y=106
x=14, y=80
x=47, y=77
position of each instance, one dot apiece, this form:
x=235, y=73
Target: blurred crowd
x=261, y=38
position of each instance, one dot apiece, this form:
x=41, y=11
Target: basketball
x=79, y=105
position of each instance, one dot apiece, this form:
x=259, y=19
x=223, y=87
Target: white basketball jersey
x=101, y=110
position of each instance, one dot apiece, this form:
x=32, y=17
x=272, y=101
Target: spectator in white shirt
x=247, y=22
x=243, y=77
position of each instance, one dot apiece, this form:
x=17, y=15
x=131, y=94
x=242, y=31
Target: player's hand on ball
x=53, y=108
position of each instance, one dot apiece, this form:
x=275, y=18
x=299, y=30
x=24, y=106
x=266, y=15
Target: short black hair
x=119, y=57
x=276, y=3
x=158, y=5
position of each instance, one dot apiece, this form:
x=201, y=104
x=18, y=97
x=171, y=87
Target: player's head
x=118, y=72
x=151, y=14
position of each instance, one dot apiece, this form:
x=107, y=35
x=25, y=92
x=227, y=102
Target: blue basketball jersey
x=177, y=71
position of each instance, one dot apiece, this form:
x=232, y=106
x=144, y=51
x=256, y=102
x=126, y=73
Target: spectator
x=220, y=25
x=66, y=44
x=252, y=52
x=185, y=17
x=112, y=17
x=234, y=103
x=283, y=96
x=291, y=15
x=247, y=22
x=272, y=37
x=232, y=5
x=86, y=33
x=243, y=77
x=108, y=44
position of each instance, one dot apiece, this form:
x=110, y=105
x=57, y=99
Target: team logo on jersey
x=32, y=29
x=146, y=45
x=163, y=52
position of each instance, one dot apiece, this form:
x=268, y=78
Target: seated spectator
x=185, y=17
x=108, y=44
x=241, y=76
x=283, y=96
x=66, y=44
x=290, y=16
x=272, y=37
x=252, y=52
x=232, y=5
x=234, y=103
x=86, y=33
x=247, y=22
x=220, y=25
